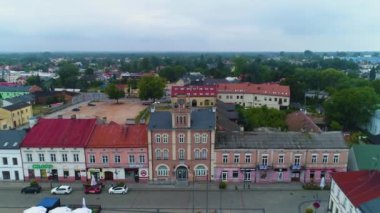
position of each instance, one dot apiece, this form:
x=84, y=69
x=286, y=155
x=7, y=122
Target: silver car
x=63, y=189
x=118, y=190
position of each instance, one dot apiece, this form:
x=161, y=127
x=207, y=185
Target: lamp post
x=193, y=191
x=207, y=193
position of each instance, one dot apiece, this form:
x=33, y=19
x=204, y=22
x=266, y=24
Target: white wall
x=341, y=204
x=10, y=154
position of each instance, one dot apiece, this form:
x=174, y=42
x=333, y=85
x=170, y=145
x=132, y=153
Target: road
x=11, y=200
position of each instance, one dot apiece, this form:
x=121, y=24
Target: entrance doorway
x=194, y=103
x=17, y=176
x=108, y=175
x=77, y=174
x=296, y=176
x=181, y=173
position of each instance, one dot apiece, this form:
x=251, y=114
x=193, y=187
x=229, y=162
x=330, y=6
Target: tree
x=262, y=117
x=308, y=53
x=151, y=87
x=172, y=73
x=34, y=80
x=68, y=75
x=352, y=107
x=114, y=93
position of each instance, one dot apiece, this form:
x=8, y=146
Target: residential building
x=264, y=157
x=196, y=96
x=118, y=152
x=55, y=147
x=357, y=191
x=13, y=91
x=364, y=157
x=15, y=115
x=299, y=122
x=272, y=95
x=181, y=144
x=10, y=162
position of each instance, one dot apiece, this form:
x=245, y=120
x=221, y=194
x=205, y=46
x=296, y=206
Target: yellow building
x=15, y=115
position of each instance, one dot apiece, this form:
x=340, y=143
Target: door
x=181, y=173
x=247, y=176
x=280, y=176
x=224, y=176
x=17, y=176
x=108, y=175
x=77, y=174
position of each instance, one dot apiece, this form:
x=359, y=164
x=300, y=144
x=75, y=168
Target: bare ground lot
x=117, y=112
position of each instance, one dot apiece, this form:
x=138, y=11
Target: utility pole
x=193, y=192
x=207, y=194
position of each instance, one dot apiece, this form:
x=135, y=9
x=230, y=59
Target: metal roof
x=11, y=139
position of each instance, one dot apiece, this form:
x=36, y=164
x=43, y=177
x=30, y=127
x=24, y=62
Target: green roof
x=367, y=156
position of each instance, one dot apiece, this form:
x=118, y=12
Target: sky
x=184, y=25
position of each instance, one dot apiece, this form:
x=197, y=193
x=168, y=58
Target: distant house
x=49, y=97
x=193, y=78
x=11, y=163
x=315, y=94
x=364, y=157
x=13, y=91
x=196, y=96
x=298, y=121
x=357, y=191
x=15, y=115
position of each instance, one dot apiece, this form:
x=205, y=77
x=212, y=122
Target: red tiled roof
x=298, y=121
x=249, y=88
x=359, y=186
x=114, y=135
x=60, y=133
x=194, y=91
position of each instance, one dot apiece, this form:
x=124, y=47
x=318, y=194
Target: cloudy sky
x=184, y=25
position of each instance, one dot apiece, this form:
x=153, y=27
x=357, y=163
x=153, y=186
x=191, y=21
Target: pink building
x=117, y=152
x=263, y=157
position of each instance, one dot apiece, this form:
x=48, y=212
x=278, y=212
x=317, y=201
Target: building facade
x=196, y=96
x=54, y=149
x=262, y=157
x=15, y=115
x=11, y=163
x=181, y=144
x=13, y=91
x=246, y=94
x=117, y=152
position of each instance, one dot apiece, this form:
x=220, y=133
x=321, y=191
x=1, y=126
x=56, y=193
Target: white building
x=246, y=94
x=10, y=162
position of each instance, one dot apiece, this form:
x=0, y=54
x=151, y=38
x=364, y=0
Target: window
x=200, y=171
x=237, y=97
x=5, y=161
x=105, y=159
x=166, y=154
x=41, y=157
x=225, y=159
x=181, y=154
x=236, y=158
x=181, y=138
x=64, y=157
x=158, y=154
x=158, y=138
x=162, y=171
x=281, y=159
x=53, y=158
x=92, y=158
x=117, y=159
x=297, y=160
x=76, y=157
x=142, y=159
x=336, y=158
x=247, y=158
x=204, y=138
x=204, y=154
x=29, y=157
x=14, y=161
x=235, y=174
x=131, y=159
x=165, y=138
x=264, y=160
x=197, y=154
x=224, y=175
x=314, y=159
x=197, y=138
x=65, y=174
x=325, y=159
x=241, y=97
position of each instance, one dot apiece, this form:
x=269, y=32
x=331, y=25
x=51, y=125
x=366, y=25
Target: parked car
x=31, y=189
x=76, y=109
x=91, y=104
x=63, y=189
x=146, y=102
x=93, y=189
x=118, y=190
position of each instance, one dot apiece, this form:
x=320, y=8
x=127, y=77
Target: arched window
x=197, y=138
x=200, y=171
x=162, y=171
x=158, y=138
x=204, y=154
x=166, y=154
x=158, y=154
x=204, y=138
x=196, y=154
x=181, y=154
x=165, y=138
x=181, y=138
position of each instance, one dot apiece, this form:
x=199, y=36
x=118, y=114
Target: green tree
x=151, y=87
x=34, y=80
x=351, y=107
x=114, y=93
x=172, y=73
x=262, y=117
x=68, y=75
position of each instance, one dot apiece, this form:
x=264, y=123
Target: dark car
x=76, y=109
x=91, y=104
x=31, y=189
x=93, y=189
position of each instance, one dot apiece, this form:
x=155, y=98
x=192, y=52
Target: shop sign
x=42, y=166
x=143, y=173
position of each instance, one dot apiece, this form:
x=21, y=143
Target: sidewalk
x=212, y=186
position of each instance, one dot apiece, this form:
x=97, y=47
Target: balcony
x=263, y=167
x=295, y=167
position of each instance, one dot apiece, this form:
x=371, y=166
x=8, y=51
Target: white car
x=118, y=190
x=63, y=189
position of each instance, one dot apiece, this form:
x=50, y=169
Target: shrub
x=120, y=184
x=311, y=186
x=222, y=185
x=309, y=210
x=33, y=183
